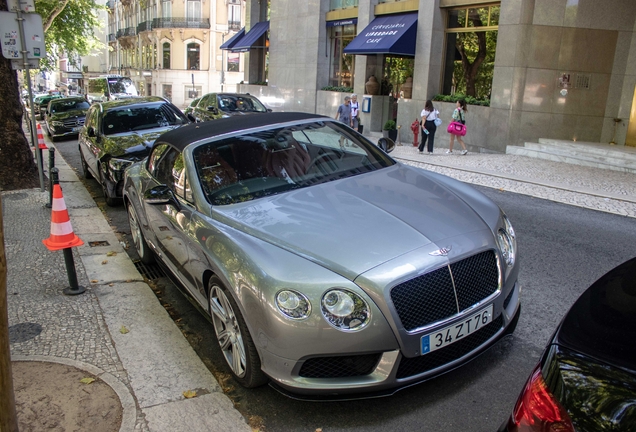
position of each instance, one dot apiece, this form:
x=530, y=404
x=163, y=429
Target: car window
x=135, y=118
x=231, y=103
x=263, y=163
x=68, y=105
x=154, y=157
x=180, y=182
x=91, y=117
x=163, y=169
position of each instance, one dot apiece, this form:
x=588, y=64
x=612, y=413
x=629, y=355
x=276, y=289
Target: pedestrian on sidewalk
x=429, y=115
x=355, y=112
x=344, y=112
x=459, y=115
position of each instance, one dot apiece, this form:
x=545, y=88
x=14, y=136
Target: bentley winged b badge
x=441, y=252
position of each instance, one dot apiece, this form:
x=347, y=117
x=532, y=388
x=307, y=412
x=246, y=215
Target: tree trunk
x=8, y=418
x=18, y=169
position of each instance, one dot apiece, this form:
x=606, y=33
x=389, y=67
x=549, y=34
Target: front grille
x=417, y=365
x=432, y=297
x=73, y=122
x=339, y=367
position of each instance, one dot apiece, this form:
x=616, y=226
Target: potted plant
x=390, y=130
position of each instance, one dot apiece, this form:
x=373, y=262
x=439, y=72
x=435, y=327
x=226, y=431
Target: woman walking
x=459, y=115
x=429, y=114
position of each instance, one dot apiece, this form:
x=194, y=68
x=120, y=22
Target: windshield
x=259, y=164
x=129, y=119
x=122, y=85
x=69, y=105
x=231, y=103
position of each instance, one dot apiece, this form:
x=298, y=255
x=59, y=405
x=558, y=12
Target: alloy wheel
x=228, y=331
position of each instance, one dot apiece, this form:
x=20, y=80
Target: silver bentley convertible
x=327, y=268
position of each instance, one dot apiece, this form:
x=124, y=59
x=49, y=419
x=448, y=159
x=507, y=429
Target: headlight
x=293, y=304
x=345, y=310
x=507, y=241
x=57, y=123
x=118, y=164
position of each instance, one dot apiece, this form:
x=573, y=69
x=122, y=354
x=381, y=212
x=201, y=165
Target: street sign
x=23, y=5
x=19, y=64
x=10, y=36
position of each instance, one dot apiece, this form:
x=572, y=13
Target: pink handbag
x=456, y=128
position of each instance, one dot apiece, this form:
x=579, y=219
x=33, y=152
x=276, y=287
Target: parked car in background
x=586, y=378
x=65, y=116
x=325, y=265
x=109, y=88
x=118, y=133
x=221, y=105
x=41, y=102
x=190, y=108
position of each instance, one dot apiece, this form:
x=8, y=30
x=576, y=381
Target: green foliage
x=458, y=96
x=71, y=31
x=338, y=89
x=389, y=125
x=397, y=69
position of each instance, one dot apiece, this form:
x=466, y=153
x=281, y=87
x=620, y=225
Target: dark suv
x=121, y=132
x=220, y=105
x=65, y=116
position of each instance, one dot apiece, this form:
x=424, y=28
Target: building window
x=233, y=60
x=234, y=17
x=166, y=9
x=167, y=92
x=341, y=65
x=166, y=55
x=471, y=42
x=343, y=4
x=193, y=56
x=194, y=10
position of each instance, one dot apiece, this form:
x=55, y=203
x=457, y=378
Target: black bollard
x=72, y=276
x=51, y=168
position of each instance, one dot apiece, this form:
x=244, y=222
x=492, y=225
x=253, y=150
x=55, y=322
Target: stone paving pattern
x=593, y=188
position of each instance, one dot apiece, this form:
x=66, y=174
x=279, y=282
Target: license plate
x=77, y=128
x=456, y=332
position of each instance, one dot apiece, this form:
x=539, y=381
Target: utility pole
x=8, y=417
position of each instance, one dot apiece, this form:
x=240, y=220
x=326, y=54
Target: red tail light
x=538, y=410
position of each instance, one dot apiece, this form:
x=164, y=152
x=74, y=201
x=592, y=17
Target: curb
x=126, y=399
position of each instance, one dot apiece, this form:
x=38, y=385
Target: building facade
x=171, y=48
x=558, y=69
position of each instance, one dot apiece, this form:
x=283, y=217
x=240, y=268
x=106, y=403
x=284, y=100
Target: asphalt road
x=562, y=249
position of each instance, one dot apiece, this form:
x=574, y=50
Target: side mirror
x=191, y=118
x=91, y=132
x=213, y=110
x=161, y=194
x=269, y=110
x=386, y=144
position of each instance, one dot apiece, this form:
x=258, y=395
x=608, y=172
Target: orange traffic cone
x=41, y=143
x=62, y=236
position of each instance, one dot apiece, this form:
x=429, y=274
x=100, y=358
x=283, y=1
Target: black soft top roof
x=183, y=136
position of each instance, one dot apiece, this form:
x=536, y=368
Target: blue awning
x=387, y=34
x=228, y=44
x=251, y=37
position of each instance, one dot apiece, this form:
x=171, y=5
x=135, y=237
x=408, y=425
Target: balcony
x=129, y=31
x=144, y=26
x=112, y=37
x=203, y=23
x=234, y=25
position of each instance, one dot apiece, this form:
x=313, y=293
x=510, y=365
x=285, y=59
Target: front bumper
x=392, y=370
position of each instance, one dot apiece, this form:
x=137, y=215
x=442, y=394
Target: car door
x=88, y=144
x=170, y=222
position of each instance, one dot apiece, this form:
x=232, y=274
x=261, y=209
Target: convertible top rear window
x=258, y=164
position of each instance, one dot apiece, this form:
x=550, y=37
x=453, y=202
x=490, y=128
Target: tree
x=69, y=24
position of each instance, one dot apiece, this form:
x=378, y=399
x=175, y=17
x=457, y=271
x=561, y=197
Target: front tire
x=145, y=255
x=233, y=336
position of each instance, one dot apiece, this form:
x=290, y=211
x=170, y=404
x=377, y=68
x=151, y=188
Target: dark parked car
x=586, y=379
x=41, y=102
x=190, y=108
x=325, y=265
x=221, y=105
x=65, y=116
x=121, y=132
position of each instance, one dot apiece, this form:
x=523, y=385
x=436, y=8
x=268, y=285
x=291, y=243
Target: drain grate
x=149, y=271
x=23, y=332
x=98, y=243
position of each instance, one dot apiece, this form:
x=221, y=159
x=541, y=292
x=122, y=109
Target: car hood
x=602, y=322
x=132, y=142
x=355, y=224
x=68, y=114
